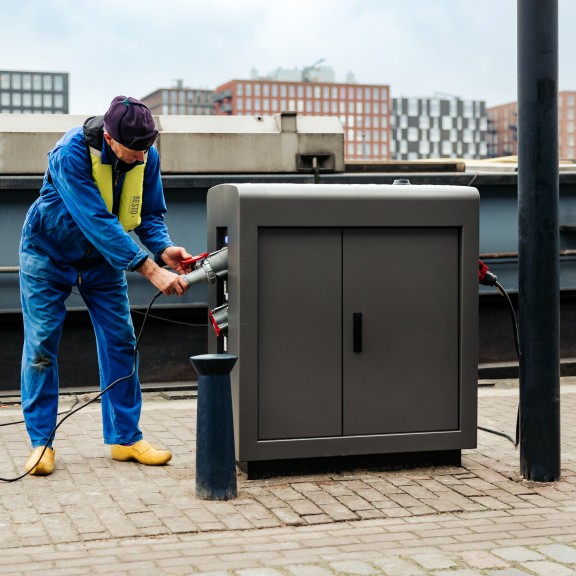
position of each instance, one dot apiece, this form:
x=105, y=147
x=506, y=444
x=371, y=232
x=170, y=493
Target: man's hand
x=173, y=256
x=167, y=282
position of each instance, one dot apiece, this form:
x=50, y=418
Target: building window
x=47, y=82
x=274, y=90
x=37, y=100
x=412, y=134
x=446, y=123
x=446, y=148
x=435, y=107
x=468, y=109
x=300, y=91
x=265, y=90
x=412, y=107
x=424, y=147
x=434, y=135
x=5, y=81
x=424, y=122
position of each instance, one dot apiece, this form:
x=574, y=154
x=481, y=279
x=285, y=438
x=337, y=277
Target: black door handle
x=357, y=331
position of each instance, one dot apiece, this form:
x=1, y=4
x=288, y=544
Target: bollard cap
x=213, y=364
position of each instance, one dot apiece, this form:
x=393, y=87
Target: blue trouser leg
x=43, y=312
x=109, y=310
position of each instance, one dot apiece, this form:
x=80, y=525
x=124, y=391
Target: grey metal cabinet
x=353, y=311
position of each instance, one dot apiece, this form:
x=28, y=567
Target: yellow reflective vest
x=132, y=190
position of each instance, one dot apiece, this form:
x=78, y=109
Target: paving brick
x=548, y=569
x=518, y=554
x=559, y=552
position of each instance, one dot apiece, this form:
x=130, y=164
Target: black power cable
x=486, y=278
x=102, y=392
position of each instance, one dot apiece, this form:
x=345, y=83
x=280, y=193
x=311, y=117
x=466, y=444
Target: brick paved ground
x=97, y=516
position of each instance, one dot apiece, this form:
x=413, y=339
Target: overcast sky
x=465, y=48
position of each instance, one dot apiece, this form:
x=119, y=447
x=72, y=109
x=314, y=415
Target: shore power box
x=353, y=310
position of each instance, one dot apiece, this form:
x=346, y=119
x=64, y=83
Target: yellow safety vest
x=132, y=190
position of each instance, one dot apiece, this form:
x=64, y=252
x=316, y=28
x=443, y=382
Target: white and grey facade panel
x=425, y=128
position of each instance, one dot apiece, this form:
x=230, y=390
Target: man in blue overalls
x=103, y=180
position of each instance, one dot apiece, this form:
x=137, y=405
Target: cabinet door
x=404, y=283
x=299, y=333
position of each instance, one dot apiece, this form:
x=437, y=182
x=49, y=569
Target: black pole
x=215, y=459
x=538, y=240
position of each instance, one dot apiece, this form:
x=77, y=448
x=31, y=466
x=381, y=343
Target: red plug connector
x=485, y=277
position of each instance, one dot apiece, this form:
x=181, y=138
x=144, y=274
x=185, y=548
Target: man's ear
x=108, y=138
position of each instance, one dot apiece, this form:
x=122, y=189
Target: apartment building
x=180, y=100
x=424, y=128
x=26, y=92
x=363, y=109
x=566, y=125
x=504, y=124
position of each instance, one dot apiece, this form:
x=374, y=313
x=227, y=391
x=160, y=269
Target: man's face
x=122, y=153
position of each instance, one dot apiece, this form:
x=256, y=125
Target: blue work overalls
x=71, y=240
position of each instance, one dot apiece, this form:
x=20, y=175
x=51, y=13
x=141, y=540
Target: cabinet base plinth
x=255, y=470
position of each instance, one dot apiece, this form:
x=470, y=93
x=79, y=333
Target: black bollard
x=215, y=459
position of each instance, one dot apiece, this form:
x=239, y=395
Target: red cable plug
x=485, y=277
